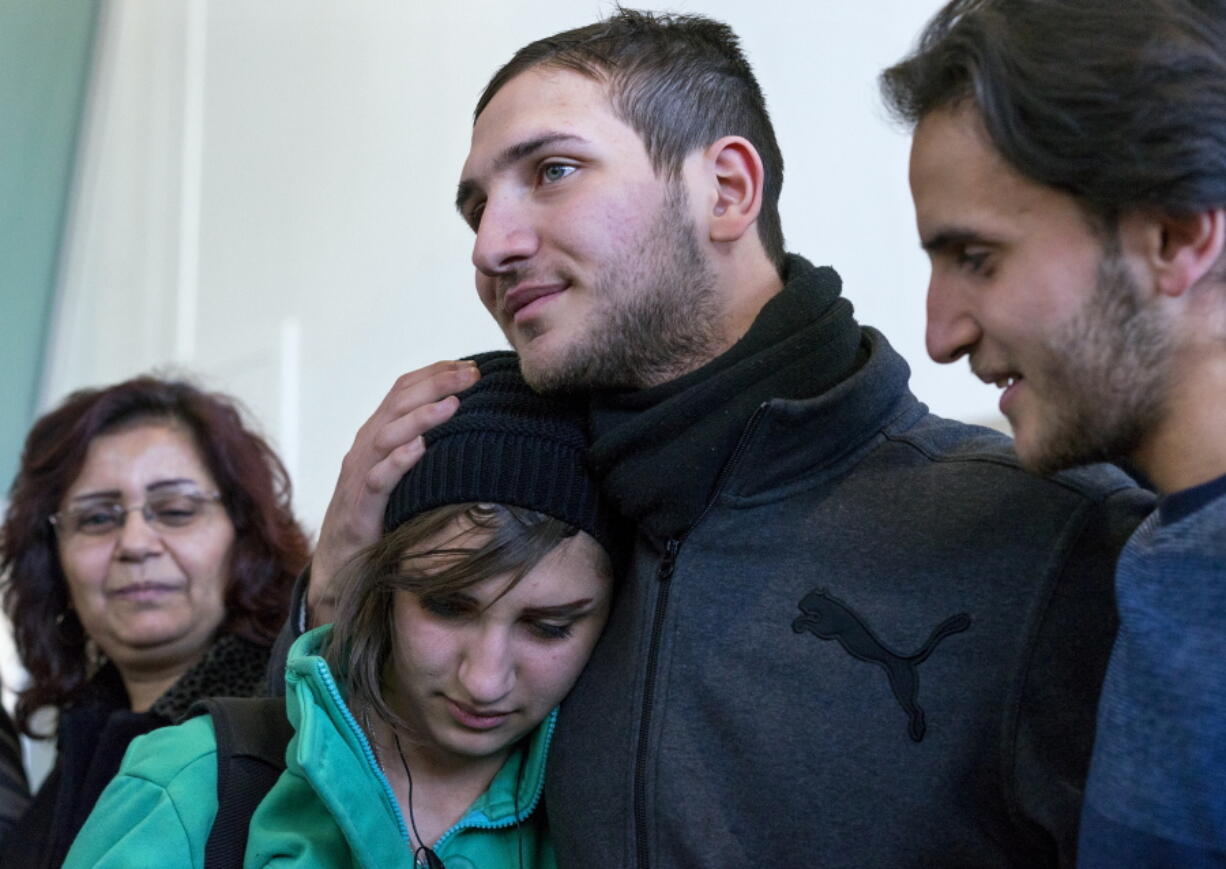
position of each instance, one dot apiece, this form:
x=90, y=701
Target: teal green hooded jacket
x=332, y=807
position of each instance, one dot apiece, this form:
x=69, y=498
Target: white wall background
x=265, y=187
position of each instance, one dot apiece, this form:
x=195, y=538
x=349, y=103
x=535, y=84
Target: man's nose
x=505, y=237
x=952, y=329
x=487, y=672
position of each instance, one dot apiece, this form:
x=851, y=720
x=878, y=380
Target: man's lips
x=1003, y=381
x=523, y=295
x=1009, y=381
x=996, y=374
x=476, y=719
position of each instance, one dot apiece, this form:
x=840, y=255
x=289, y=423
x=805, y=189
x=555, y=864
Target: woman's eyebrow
x=113, y=494
x=561, y=611
x=451, y=597
x=116, y=494
x=166, y=484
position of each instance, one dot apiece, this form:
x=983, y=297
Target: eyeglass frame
x=56, y=518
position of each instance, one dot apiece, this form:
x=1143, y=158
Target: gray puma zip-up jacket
x=880, y=645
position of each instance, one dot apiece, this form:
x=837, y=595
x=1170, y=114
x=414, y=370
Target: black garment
x=660, y=450
x=507, y=445
x=853, y=634
x=14, y=791
x=94, y=734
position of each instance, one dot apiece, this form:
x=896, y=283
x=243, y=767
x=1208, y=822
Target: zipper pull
x=665, y=571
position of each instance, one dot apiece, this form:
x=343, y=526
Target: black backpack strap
x=252, y=733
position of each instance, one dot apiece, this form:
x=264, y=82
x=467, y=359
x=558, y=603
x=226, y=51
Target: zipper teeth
x=550, y=723
x=325, y=676
x=649, y=691
x=671, y=552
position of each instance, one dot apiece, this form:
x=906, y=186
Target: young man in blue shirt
x=1069, y=177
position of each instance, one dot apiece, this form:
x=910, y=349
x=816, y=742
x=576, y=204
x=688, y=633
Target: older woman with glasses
x=148, y=552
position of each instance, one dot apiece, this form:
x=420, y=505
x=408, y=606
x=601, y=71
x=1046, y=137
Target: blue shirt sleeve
x=1107, y=844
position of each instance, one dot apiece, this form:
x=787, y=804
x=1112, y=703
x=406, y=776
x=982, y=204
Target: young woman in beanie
x=423, y=716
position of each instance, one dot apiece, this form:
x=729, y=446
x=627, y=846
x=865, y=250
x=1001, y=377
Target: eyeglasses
x=164, y=511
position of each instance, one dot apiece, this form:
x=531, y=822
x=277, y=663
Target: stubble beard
x=656, y=314
x=1106, y=376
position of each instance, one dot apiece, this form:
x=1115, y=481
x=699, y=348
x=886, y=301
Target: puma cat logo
x=828, y=618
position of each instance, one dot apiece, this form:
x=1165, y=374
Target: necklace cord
x=432, y=860
x=423, y=852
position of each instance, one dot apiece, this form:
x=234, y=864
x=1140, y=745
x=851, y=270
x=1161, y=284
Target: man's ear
x=739, y=178
x=1180, y=250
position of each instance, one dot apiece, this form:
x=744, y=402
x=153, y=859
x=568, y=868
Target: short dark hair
x=1120, y=104
x=490, y=540
x=680, y=81
x=269, y=545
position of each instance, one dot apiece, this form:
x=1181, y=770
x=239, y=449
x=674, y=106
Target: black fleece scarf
x=659, y=452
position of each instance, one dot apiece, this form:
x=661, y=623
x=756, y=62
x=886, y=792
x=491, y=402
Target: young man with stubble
x=1069, y=177
x=851, y=633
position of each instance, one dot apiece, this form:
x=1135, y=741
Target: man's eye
x=552, y=172
x=550, y=630
x=474, y=216
x=973, y=260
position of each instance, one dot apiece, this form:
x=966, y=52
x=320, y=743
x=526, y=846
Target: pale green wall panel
x=45, y=48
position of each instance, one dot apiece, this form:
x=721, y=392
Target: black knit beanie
x=507, y=445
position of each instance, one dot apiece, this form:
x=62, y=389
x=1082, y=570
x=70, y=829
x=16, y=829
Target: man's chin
x=1046, y=452
x=1032, y=457
x=548, y=372
x=1033, y=443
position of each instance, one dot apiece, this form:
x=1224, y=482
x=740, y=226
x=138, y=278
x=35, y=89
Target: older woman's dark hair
x=269, y=545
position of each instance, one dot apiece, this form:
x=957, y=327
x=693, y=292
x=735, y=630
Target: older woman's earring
x=94, y=657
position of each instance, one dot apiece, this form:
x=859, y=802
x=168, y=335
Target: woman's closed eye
x=97, y=517
x=449, y=607
x=549, y=630
x=550, y=623
x=177, y=510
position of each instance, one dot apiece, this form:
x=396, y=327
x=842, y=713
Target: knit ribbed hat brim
x=507, y=445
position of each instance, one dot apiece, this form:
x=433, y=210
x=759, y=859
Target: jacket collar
x=792, y=441
x=662, y=453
